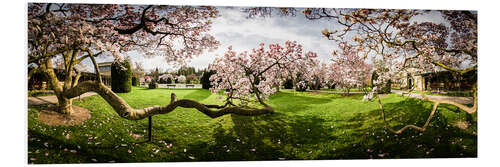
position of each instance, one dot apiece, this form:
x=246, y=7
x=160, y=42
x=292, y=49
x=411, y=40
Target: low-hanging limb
x=469, y=110
x=422, y=129
x=127, y=112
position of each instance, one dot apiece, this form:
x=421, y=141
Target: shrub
x=153, y=85
x=181, y=79
x=205, y=79
x=121, y=77
x=135, y=81
x=191, y=79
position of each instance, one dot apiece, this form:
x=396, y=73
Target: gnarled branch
x=124, y=110
x=469, y=110
x=96, y=67
x=422, y=129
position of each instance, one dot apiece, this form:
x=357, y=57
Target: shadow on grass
x=361, y=142
x=264, y=137
x=100, y=153
x=291, y=135
x=288, y=102
x=440, y=140
x=267, y=137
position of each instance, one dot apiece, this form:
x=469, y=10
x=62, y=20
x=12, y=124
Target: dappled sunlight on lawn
x=304, y=126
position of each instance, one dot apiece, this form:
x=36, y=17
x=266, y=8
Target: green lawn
x=305, y=126
x=34, y=93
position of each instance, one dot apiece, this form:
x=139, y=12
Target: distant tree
x=181, y=79
x=301, y=82
x=138, y=70
x=191, y=79
x=205, y=79
x=186, y=71
x=318, y=77
x=349, y=69
x=249, y=77
x=166, y=78
x=155, y=74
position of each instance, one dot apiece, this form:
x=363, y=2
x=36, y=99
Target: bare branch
x=96, y=67
x=422, y=129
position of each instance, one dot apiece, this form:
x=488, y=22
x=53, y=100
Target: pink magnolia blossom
x=117, y=28
x=166, y=76
x=256, y=73
x=181, y=79
x=349, y=69
x=148, y=78
x=399, y=39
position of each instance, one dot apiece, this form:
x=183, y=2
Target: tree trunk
x=64, y=105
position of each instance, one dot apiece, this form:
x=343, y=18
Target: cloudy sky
x=233, y=27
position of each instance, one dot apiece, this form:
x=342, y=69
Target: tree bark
x=125, y=111
x=469, y=110
x=64, y=105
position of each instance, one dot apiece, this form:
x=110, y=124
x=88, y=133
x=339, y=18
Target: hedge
x=205, y=79
x=121, y=77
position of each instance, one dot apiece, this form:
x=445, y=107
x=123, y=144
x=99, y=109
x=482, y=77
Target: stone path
x=462, y=100
x=40, y=100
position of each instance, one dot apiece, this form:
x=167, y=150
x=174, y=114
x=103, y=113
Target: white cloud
x=233, y=28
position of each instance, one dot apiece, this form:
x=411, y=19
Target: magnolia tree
x=166, y=77
x=148, y=79
x=309, y=74
x=319, y=76
x=401, y=39
x=348, y=69
x=249, y=77
x=71, y=33
x=401, y=42
x=181, y=79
